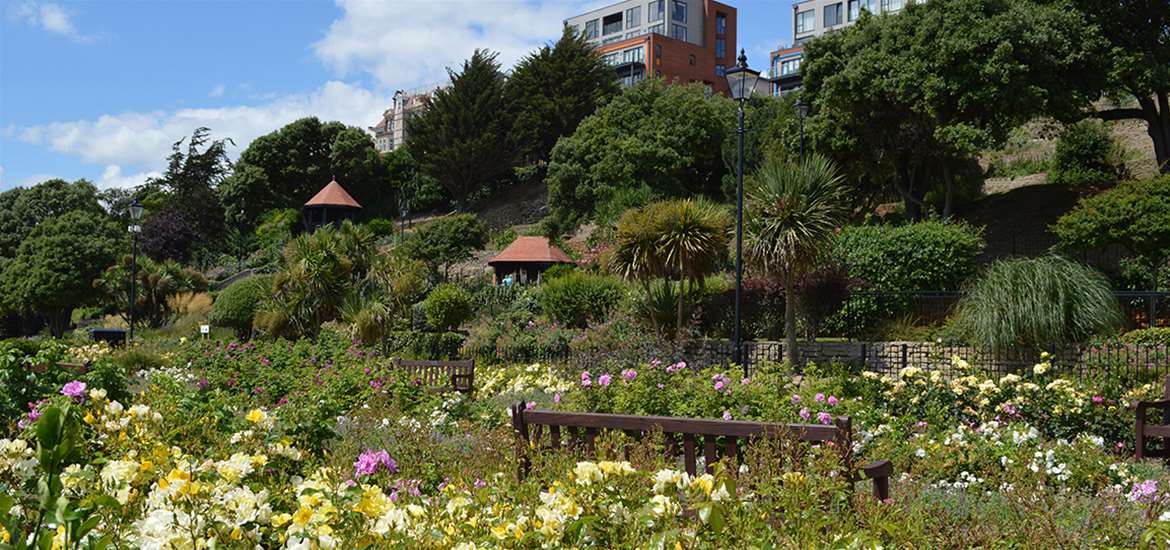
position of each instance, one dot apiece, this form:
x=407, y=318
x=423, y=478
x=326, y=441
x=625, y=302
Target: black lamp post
x=802, y=110
x=135, y=229
x=742, y=82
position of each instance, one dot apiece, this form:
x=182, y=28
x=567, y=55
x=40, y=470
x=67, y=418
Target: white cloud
x=144, y=139
x=33, y=179
x=409, y=43
x=217, y=91
x=50, y=17
x=112, y=177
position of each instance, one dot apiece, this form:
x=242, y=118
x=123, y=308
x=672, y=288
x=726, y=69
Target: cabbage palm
x=692, y=240
x=793, y=210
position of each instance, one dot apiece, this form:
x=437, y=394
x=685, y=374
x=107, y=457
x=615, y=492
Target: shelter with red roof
x=331, y=205
x=525, y=259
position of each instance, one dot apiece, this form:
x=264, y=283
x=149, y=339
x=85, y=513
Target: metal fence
x=1128, y=361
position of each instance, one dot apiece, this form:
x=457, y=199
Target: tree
x=23, y=209
x=773, y=133
x=900, y=100
x=1037, y=304
x=1134, y=215
x=54, y=268
x=445, y=242
x=157, y=284
x=692, y=239
x=552, y=89
x=667, y=138
x=285, y=168
x=793, y=212
x=1137, y=62
x=166, y=235
x=188, y=186
x=461, y=140
x=682, y=239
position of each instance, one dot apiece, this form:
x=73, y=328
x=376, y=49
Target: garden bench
x=581, y=429
x=1145, y=431
x=445, y=375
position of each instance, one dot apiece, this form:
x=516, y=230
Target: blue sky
x=100, y=89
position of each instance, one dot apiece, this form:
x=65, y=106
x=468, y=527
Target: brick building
x=390, y=132
x=679, y=40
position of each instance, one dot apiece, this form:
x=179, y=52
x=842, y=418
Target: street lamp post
x=742, y=82
x=802, y=110
x=135, y=229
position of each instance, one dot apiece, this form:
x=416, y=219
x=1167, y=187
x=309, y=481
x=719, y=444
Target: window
x=591, y=30
x=656, y=11
x=634, y=55
x=633, y=34
x=720, y=69
x=855, y=7
x=612, y=39
x=612, y=58
x=633, y=17
x=611, y=23
x=659, y=28
x=805, y=21
x=720, y=47
x=679, y=11
x=691, y=59
x=720, y=23
x=833, y=15
x=679, y=32
x=892, y=5
x=790, y=66
x=633, y=78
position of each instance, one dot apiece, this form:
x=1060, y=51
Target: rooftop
x=532, y=249
x=333, y=194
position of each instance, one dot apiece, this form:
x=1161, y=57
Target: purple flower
x=258, y=390
x=661, y=386
x=746, y=381
x=74, y=389
x=264, y=361
x=718, y=385
x=824, y=418
x=820, y=397
x=202, y=384
x=1145, y=491
x=603, y=380
x=479, y=483
x=1098, y=399
x=629, y=374
x=795, y=398
x=655, y=363
x=832, y=401
x=557, y=397
x=804, y=413
x=530, y=405
x=370, y=461
x=585, y=375
x=727, y=415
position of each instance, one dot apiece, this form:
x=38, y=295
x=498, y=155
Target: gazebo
x=525, y=259
x=330, y=205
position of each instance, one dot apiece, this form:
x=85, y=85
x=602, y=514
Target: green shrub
x=448, y=306
x=576, y=299
x=413, y=344
x=900, y=259
x=557, y=271
x=235, y=306
x=381, y=227
x=504, y=238
x=30, y=372
x=1086, y=154
x=518, y=337
x=1037, y=303
x=1148, y=336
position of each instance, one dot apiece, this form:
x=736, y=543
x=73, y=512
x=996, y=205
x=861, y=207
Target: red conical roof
x=333, y=194
x=532, y=249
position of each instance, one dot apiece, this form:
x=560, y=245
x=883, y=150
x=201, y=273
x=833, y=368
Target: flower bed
x=193, y=460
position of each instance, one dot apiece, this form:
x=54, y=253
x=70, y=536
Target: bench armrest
x=876, y=469
x=1158, y=403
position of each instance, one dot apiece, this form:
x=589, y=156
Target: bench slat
x=696, y=426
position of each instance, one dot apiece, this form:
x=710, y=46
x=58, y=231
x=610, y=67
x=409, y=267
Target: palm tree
x=793, y=211
x=692, y=239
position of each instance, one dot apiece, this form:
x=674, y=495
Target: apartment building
x=679, y=40
x=813, y=18
x=390, y=131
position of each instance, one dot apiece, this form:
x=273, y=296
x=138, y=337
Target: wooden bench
x=581, y=429
x=445, y=375
x=1145, y=431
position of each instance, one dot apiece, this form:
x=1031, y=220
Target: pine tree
x=553, y=89
x=462, y=139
